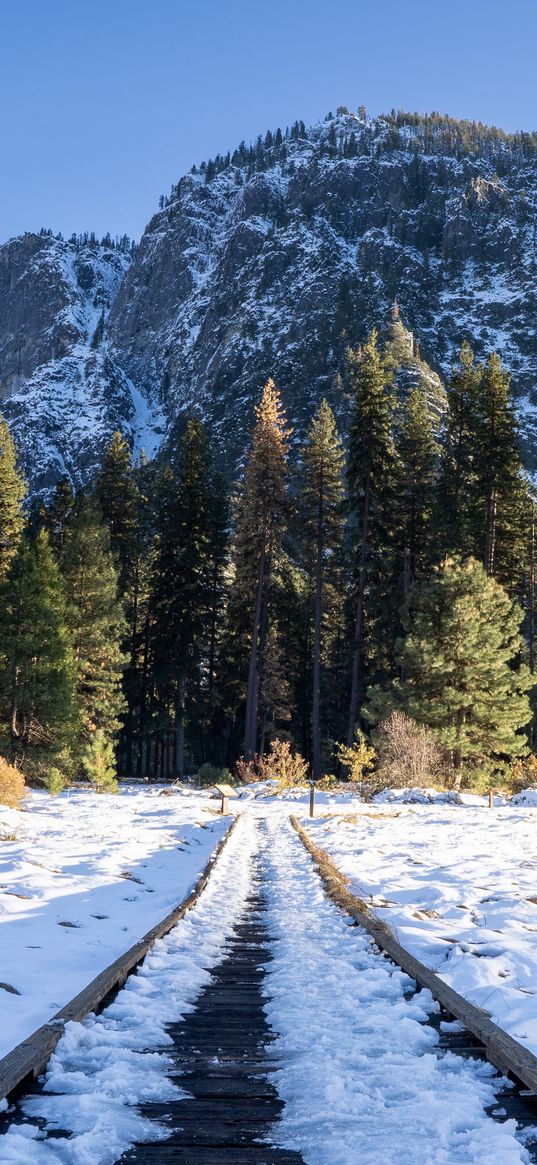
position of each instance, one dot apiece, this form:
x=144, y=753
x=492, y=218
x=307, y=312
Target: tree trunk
x=356, y=682
x=179, y=737
x=252, y=699
x=14, y=708
x=129, y=721
x=316, y=693
x=490, y=537
x=457, y=751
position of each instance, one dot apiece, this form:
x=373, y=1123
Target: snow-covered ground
x=360, y=1078
x=106, y=1065
x=458, y=883
x=357, y=1063
x=84, y=878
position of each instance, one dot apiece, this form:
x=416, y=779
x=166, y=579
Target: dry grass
x=12, y=787
x=355, y=818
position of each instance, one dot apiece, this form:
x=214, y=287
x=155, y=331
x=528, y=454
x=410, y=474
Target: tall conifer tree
x=96, y=619
x=37, y=676
x=117, y=496
x=181, y=579
x=321, y=509
x=499, y=498
x=258, y=541
x=371, y=473
x=416, y=467
x=461, y=661
x=456, y=483
x=12, y=493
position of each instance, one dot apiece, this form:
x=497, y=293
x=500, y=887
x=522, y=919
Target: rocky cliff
x=270, y=262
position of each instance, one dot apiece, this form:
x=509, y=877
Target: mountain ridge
x=271, y=261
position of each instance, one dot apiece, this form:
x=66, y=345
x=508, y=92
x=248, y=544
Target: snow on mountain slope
x=59, y=386
x=270, y=262
x=273, y=261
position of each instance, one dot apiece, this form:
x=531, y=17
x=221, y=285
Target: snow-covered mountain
x=60, y=387
x=270, y=262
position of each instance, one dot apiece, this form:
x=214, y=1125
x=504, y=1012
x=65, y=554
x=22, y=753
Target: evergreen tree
x=36, y=678
x=322, y=495
x=96, y=620
x=461, y=661
x=116, y=493
x=99, y=763
x=121, y=501
x=181, y=579
x=417, y=459
x=57, y=513
x=371, y=470
x=217, y=562
x=456, y=483
x=499, y=499
x=258, y=541
x=12, y=493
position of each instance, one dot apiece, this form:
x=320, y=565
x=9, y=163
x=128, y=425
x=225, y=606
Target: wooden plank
x=223, y=1063
x=501, y=1049
x=30, y=1057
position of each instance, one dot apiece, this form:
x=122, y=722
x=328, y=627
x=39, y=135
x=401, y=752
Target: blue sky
x=105, y=103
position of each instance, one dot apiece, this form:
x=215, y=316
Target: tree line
x=169, y=621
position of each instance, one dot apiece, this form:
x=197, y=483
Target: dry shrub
x=12, y=787
x=279, y=764
x=408, y=753
x=523, y=774
x=358, y=759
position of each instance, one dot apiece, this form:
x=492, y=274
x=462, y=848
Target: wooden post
x=312, y=798
x=224, y=792
x=491, y=798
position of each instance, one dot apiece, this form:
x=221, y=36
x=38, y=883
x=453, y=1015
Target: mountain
x=270, y=262
x=60, y=388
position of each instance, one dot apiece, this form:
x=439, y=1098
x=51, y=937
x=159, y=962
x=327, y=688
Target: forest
x=361, y=600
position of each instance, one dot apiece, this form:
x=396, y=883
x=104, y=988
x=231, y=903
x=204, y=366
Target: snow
x=457, y=883
x=361, y=1080
x=102, y=1067
x=87, y=876
x=355, y=1061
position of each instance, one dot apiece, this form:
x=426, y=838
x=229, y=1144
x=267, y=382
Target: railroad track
x=226, y=1062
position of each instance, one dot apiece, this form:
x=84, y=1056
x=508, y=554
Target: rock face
x=271, y=263
x=59, y=386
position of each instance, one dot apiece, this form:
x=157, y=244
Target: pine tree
x=35, y=646
x=116, y=493
x=456, y=482
x=121, y=501
x=499, y=499
x=181, y=578
x=321, y=509
x=99, y=763
x=57, y=513
x=417, y=460
x=371, y=470
x=96, y=620
x=258, y=541
x=217, y=563
x=461, y=661
x=12, y=493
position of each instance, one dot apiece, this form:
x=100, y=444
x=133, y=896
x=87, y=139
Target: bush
x=279, y=764
x=98, y=762
x=208, y=775
x=12, y=787
x=358, y=759
x=523, y=774
x=54, y=781
x=408, y=754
